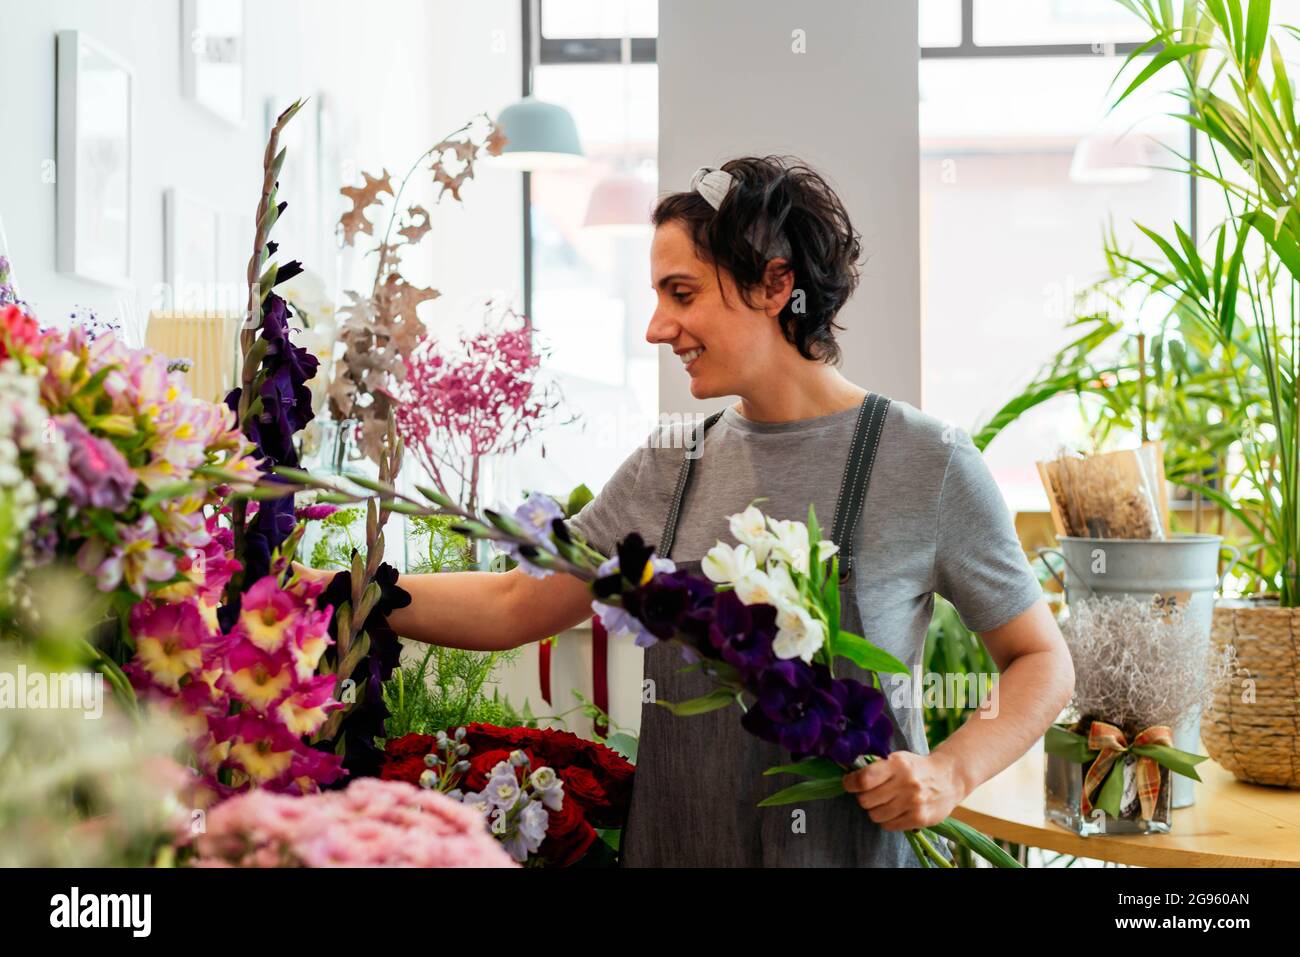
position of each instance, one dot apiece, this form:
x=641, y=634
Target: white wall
x=730, y=85
x=405, y=71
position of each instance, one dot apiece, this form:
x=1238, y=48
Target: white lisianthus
x=724, y=564
x=758, y=588
x=791, y=544
x=798, y=634
x=782, y=583
x=750, y=528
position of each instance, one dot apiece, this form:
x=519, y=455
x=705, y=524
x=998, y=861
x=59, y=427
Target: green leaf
x=578, y=500
x=866, y=655
x=968, y=837
x=1112, y=789
x=1067, y=744
x=820, y=768
x=1256, y=36
x=718, y=698
x=624, y=743
x=815, y=790
x=1282, y=88
x=104, y=524
x=1180, y=762
x=1227, y=311
x=1166, y=56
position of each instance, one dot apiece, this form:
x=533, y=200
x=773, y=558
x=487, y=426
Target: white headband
x=714, y=185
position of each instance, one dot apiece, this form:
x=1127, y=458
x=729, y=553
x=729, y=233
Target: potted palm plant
x=1238, y=293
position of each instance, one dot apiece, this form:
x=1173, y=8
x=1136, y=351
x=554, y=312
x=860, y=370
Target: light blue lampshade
x=539, y=135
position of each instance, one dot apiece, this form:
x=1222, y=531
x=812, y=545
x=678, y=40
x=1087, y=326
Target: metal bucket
x=1181, y=570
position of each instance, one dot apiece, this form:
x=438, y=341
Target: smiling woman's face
x=725, y=345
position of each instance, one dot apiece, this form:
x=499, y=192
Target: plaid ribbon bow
x=1110, y=741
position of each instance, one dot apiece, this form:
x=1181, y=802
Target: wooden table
x=1232, y=824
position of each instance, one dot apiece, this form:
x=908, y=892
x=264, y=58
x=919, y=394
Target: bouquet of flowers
x=542, y=792
x=763, y=626
x=110, y=458
x=371, y=823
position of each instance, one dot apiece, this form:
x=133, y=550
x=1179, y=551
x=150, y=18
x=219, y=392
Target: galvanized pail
x=1182, y=570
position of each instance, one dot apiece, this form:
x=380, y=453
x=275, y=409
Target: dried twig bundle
x=1114, y=495
x=1137, y=664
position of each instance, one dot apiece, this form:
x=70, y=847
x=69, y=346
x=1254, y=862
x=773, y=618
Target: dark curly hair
x=775, y=198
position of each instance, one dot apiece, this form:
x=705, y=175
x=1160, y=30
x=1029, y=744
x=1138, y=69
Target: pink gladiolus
x=169, y=640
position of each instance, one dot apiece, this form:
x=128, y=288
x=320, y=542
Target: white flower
x=783, y=584
x=758, y=588
x=724, y=564
x=798, y=634
x=750, y=528
x=791, y=544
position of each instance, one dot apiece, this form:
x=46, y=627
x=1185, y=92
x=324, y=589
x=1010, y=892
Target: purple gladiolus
x=795, y=706
x=864, y=726
x=743, y=634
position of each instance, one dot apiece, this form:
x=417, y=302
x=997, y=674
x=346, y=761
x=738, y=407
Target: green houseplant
x=1227, y=364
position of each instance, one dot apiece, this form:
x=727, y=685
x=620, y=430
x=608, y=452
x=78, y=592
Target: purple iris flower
x=795, y=708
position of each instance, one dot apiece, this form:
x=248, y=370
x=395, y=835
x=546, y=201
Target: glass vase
x=1064, y=800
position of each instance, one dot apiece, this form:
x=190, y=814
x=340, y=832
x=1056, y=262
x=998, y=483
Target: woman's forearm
x=485, y=611
x=1029, y=694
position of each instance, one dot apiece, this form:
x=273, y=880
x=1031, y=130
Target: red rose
x=403, y=769
x=483, y=737
x=409, y=745
x=480, y=769
x=568, y=835
x=615, y=774
x=581, y=786
x=558, y=749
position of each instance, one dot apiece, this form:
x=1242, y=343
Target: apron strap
x=853, y=486
x=679, y=493
x=857, y=477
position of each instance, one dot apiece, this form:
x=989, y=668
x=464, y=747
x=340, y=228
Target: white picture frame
x=192, y=252
x=212, y=56
x=93, y=156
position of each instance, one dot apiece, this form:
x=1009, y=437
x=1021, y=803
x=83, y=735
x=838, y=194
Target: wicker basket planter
x=1254, y=728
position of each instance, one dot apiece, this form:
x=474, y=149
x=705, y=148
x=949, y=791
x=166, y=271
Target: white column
x=834, y=83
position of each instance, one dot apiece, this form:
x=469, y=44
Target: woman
x=751, y=267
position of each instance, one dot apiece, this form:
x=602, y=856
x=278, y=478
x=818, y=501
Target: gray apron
x=699, y=779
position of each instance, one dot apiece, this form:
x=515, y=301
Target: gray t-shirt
x=933, y=521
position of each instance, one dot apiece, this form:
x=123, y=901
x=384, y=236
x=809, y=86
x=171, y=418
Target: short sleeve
x=979, y=564
x=604, y=520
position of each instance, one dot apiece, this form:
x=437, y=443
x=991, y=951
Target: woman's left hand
x=906, y=790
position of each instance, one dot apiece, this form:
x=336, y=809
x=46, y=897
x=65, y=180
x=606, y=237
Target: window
x=589, y=292
x=1022, y=167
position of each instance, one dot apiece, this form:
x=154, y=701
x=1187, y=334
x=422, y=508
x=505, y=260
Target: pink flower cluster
x=249, y=695
x=459, y=406
x=132, y=429
x=372, y=823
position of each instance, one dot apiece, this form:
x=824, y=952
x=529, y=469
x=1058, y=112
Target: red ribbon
x=599, y=670
x=544, y=667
